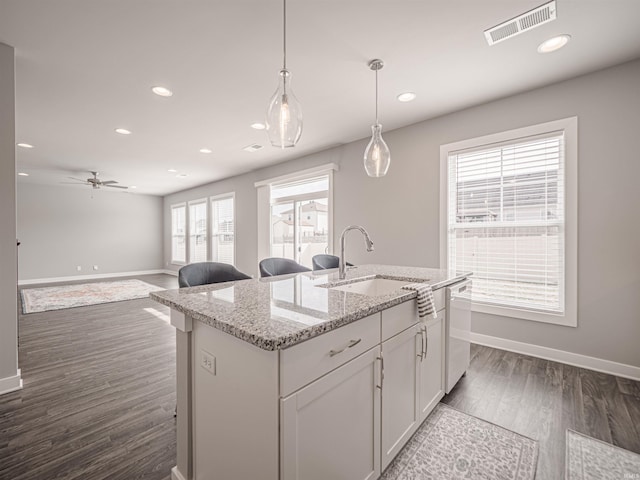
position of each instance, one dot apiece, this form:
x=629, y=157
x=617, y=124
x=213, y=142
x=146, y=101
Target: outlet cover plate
x=208, y=362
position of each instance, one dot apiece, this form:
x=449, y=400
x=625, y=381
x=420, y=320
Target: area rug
x=68, y=296
x=591, y=459
x=453, y=445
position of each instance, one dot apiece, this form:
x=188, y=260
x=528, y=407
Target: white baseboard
x=11, y=384
x=170, y=272
x=575, y=359
x=176, y=475
x=92, y=277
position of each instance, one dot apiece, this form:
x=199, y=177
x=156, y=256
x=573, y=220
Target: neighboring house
x=314, y=213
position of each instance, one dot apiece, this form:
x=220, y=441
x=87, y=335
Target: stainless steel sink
x=372, y=287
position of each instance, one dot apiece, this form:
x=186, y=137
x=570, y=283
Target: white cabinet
x=430, y=368
x=331, y=428
x=339, y=406
x=413, y=374
x=400, y=410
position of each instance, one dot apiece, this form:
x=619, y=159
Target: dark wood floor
x=541, y=399
x=99, y=394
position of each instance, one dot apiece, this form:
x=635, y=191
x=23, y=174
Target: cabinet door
x=400, y=411
x=431, y=383
x=331, y=428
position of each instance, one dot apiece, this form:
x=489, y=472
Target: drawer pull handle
x=352, y=343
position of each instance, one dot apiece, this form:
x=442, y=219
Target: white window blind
x=178, y=229
x=506, y=221
x=223, y=230
x=198, y=231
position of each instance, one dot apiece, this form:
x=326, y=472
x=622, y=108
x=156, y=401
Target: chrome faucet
x=342, y=264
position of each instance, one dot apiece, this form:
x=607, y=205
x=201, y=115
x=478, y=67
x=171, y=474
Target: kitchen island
x=305, y=375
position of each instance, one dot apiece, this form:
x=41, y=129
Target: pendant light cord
x=376, y=96
x=284, y=36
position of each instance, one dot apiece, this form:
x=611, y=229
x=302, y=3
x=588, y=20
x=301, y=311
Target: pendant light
x=377, y=156
x=284, y=115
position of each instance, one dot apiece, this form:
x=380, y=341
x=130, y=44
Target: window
x=178, y=232
x=300, y=219
x=510, y=219
x=222, y=229
x=295, y=214
x=198, y=231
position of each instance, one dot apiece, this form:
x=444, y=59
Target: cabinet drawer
x=303, y=363
x=400, y=317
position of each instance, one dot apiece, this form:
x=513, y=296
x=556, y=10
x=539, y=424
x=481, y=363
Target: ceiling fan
x=95, y=182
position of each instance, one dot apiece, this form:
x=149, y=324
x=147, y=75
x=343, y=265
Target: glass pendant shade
x=284, y=115
x=377, y=156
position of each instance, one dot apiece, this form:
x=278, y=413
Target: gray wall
x=62, y=227
x=8, y=316
x=401, y=210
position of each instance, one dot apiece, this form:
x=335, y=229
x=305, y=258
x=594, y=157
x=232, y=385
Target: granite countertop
x=278, y=312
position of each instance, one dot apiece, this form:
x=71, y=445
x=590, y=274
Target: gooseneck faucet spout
x=342, y=264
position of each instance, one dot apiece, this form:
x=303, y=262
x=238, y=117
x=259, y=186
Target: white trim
x=330, y=214
x=570, y=128
x=309, y=172
x=263, y=209
x=170, y=272
x=577, y=360
x=11, y=384
x=176, y=475
x=513, y=312
x=72, y=278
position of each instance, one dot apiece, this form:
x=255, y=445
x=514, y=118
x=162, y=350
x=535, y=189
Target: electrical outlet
x=78, y=268
x=95, y=267
x=208, y=362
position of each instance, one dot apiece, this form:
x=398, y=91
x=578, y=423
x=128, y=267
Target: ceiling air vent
x=533, y=18
x=252, y=148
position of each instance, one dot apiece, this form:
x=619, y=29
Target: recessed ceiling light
x=554, y=43
x=406, y=97
x=205, y=150
x=132, y=186
x=258, y=126
x=23, y=174
x=172, y=170
x=162, y=91
x=123, y=131
x=181, y=175
x=25, y=145
x=252, y=148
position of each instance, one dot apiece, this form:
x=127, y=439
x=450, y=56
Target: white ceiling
x=85, y=67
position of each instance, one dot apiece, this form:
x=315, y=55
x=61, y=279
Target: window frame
x=186, y=233
x=214, y=198
x=570, y=128
x=264, y=204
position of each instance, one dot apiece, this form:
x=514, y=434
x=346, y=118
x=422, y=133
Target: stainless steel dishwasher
x=457, y=330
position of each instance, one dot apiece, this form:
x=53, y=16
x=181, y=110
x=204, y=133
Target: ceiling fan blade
x=78, y=179
x=107, y=182
x=114, y=186
x=74, y=183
